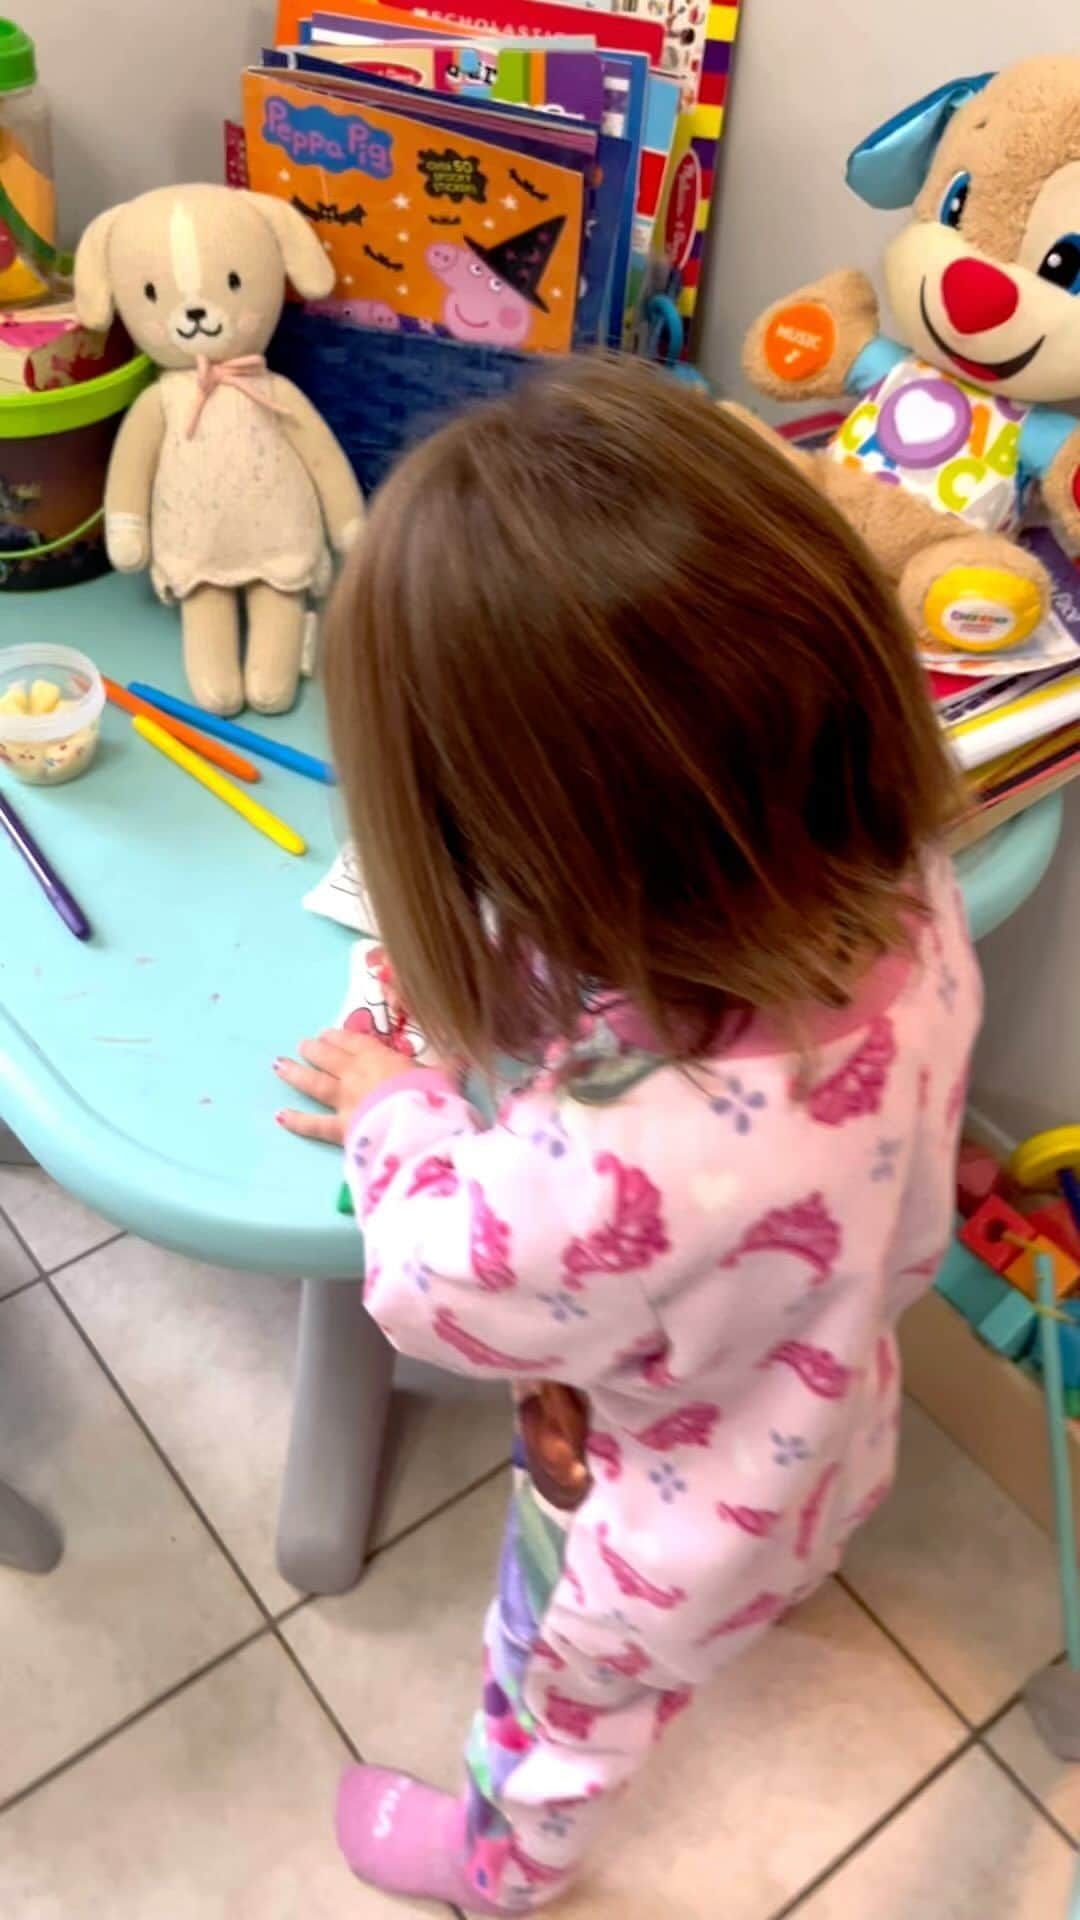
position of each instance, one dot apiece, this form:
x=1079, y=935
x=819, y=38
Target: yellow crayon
x=208, y=776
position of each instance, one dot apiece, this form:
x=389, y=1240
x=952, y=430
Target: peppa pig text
x=337, y=142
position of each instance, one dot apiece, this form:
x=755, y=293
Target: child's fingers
x=322, y=1053
x=344, y=1040
x=313, y=1126
x=323, y=1087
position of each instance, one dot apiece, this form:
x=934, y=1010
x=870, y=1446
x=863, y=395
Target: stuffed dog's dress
x=232, y=501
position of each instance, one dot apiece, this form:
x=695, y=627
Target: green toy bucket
x=54, y=453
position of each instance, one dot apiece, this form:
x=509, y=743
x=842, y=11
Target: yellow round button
x=982, y=609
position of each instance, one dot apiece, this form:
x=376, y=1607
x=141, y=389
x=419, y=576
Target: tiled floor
x=173, y=1717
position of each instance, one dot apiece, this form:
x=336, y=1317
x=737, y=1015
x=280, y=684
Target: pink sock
x=408, y=1838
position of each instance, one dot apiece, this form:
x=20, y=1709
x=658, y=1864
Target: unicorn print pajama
x=692, y=1278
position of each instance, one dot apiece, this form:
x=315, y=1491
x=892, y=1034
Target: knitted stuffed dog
x=952, y=426
x=223, y=476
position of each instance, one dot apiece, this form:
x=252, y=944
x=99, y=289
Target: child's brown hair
x=614, y=689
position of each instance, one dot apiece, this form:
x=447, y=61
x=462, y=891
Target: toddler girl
x=636, y=749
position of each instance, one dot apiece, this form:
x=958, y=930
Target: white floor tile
x=779, y=1767
x=52, y=1222
x=215, y=1806
x=142, y=1596
x=207, y=1357
x=399, y=1657
x=963, y=1578
x=1056, y=1783
x=969, y=1848
x=774, y=1770
x=16, y=1266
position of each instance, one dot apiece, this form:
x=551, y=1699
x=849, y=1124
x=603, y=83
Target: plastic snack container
x=46, y=748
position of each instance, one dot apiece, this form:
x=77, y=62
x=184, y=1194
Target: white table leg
x=28, y=1539
x=344, y=1369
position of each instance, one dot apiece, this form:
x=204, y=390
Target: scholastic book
x=521, y=18
x=450, y=232
x=569, y=81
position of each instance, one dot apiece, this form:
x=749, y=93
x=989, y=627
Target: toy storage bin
x=991, y=1407
x=381, y=392
x=54, y=452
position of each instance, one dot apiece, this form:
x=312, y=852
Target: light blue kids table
x=137, y=1069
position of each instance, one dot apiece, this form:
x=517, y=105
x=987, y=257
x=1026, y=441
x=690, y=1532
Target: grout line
x=23, y=1243
x=268, y=1621
x=252, y=1591
x=1028, y=1793
x=318, y=1695
x=98, y=1247
x=132, y=1719
x=452, y=1500
x=296, y=1606
x=1015, y=1700
x=878, y=1826
x=154, y=1442
x=22, y=1287
x=43, y=1272
x=909, y=1657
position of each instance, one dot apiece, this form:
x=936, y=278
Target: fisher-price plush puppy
x=223, y=477
x=952, y=426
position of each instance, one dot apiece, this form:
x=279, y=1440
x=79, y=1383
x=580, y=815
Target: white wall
x=139, y=97
x=139, y=89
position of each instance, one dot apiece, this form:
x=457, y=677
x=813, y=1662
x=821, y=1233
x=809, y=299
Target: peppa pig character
x=357, y=313
x=493, y=291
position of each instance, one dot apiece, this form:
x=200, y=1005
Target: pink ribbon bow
x=211, y=374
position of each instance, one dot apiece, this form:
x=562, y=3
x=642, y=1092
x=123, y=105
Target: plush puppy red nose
x=977, y=296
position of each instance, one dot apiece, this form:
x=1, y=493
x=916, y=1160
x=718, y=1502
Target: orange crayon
x=223, y=757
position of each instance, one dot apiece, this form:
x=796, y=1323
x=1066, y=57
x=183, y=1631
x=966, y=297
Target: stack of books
x=1013, y=720
x=526, y=180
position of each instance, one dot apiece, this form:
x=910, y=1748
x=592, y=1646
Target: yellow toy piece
x=981, y=609
x=1036, y=1163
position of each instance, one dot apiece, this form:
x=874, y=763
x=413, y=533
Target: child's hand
x=343, y=1068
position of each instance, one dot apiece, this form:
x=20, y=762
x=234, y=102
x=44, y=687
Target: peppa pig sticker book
x=430, y=223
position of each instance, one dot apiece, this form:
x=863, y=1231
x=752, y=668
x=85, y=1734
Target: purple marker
x=47, y=878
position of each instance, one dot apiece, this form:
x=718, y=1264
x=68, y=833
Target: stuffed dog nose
x=196, y=313
x=977, y=296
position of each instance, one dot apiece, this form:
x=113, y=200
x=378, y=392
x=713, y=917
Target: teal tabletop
x=137, y=1068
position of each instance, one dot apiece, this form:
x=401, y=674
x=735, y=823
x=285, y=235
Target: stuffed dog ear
x=888, y=168
x=306, y=261
x=93, y=289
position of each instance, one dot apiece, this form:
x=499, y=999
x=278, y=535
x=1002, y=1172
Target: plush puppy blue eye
x=955, y=200
x=1061, y=263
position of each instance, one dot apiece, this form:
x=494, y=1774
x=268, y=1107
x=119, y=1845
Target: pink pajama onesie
x=712, y=1262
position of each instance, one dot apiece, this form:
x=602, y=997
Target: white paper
x=342, y=895
x=369, y=1005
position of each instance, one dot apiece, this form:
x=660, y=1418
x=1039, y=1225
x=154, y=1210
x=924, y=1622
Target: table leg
x=344, y=1368
x=28, y=1540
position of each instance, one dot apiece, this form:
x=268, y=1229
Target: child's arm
x=493, y=1251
